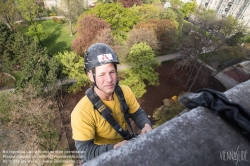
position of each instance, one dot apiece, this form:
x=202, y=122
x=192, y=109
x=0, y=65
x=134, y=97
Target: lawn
x=59, y=38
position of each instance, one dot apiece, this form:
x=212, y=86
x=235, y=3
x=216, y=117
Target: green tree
x=74, y=8
x=142, y=59
x=20, y=53
x=39, y=71
x=148, y=11
x=17, y=48
x=207, y=38
x=5, y=35
x=121, y=19
x=147, y=1
x=246, y=38
x=231, y=26
x=236, y=39
x=133, y=80
x=36, y=30
x=188, y=8
x=177, y=3
x=9, y=13
x=30, y=11
x=168, y=14
x=72, y=67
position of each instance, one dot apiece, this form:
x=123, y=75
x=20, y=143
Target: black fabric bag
x=220, y=105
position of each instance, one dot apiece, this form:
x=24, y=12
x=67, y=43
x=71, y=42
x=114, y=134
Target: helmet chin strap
x=93, y=73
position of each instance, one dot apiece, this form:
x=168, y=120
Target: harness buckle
x=101, y=108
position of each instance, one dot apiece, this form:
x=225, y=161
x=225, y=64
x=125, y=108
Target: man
x=92, y=133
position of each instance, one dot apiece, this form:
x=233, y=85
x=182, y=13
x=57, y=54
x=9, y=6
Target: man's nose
x=109, y=77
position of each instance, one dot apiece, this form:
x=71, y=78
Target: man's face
x=105, y=77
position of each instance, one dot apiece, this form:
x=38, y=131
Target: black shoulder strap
x=124, y=105
x=105, y=112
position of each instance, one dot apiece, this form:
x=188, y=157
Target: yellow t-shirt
x=88, y=124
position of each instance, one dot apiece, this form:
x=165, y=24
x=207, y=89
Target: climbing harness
x=107, y=114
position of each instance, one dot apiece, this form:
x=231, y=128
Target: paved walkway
x=167, y=57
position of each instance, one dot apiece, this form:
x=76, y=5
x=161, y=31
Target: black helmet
x=99, y=54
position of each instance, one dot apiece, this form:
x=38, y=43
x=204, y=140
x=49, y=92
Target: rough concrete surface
x=195, y=138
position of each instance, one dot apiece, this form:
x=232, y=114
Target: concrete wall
x=196, y=138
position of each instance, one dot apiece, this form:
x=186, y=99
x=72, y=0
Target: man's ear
x=90, y=75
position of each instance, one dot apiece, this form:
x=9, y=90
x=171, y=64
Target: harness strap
x=105, y=112
x=124, y=106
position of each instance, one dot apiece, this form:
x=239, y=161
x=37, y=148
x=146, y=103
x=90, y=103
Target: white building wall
x=239, y=9
x=50, y=3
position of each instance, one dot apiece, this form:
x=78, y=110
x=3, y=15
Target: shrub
x=52, y=14
x=58, y=20
x=167, y=111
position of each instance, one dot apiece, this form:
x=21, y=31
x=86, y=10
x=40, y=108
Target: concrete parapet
x=197, y=137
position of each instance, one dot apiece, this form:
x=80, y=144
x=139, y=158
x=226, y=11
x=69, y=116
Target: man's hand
x=146, y=128
x=120, y=143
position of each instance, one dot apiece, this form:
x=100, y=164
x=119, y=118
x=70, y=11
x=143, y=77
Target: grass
x=59, y=38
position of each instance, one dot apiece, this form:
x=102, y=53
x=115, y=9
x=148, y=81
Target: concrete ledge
x=195, y=138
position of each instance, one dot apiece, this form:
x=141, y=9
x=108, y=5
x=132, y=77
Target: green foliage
x=148, y=11
x=9, y=13
x=48, y=137
x=209, y=16
x=226, y=56
x=20, y=53
x=147, y=1
x=188, y=8
x=16, y=48
x=37, y=32
x=169, y=14
x=176, y=3
x=246, y=38
x=121, y=19
x=52, y=14
x=58, y=38
x=135, y=82
x=230, y=25
x=40, y=71
x=5, y=107
x=142, y=59
x=29, y=10
x=167, y=111
x=5, y=36
x=58, y=20
x=236, y=39
x=72, y=66
x=74, y=8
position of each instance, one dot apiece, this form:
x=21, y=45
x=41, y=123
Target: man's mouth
x=109, y=86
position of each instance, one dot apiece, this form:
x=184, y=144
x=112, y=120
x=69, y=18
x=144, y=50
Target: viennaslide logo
x=234, y=155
